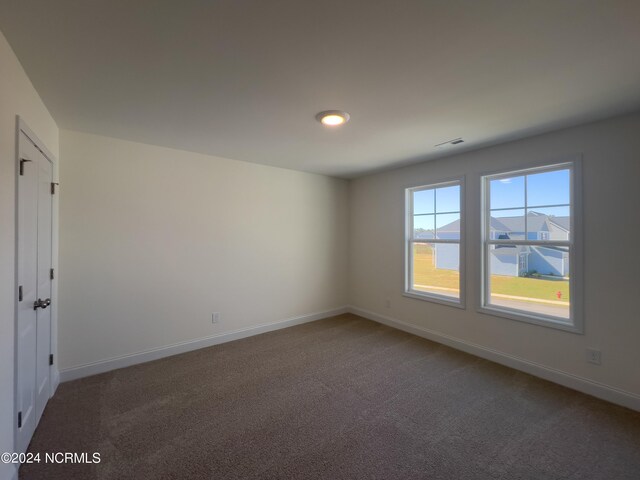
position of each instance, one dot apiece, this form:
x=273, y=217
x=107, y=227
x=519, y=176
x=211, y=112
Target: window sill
x=518, y=316
x=434, y=298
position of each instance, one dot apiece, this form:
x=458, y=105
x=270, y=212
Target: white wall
x=611, y=163
x=17, y=97
x=153, y=240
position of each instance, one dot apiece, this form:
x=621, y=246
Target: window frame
x=575, y=323
x=460, y=302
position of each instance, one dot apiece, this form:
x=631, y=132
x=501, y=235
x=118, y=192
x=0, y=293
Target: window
x=530, y=270
x=433, y=239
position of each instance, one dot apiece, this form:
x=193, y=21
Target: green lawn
x=425, y=273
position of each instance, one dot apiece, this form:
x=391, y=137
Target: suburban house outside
x=511, y=260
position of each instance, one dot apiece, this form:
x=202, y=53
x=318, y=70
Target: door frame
x=22, y=127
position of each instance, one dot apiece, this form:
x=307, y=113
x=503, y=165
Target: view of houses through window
x=528, y=241
x=435, y=241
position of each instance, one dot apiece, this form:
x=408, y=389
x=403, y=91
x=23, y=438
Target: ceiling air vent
x=449, y=143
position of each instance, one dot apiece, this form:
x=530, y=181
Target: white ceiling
x=243, y=79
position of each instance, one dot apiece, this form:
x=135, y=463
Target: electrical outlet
x=215, y=317
x=594, y=356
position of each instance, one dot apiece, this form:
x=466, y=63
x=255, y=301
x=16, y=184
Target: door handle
x=41, y=303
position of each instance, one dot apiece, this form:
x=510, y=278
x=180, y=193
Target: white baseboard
x=581, y=384
x=182, y=347
x=55, y=380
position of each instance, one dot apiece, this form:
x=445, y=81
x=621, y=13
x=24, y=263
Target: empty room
x=291, y=239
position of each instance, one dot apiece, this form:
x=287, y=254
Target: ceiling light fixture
x=333, y=118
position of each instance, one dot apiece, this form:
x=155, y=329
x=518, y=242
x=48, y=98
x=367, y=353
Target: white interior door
x=43, y=321
x=33, y=329
x=27, y=292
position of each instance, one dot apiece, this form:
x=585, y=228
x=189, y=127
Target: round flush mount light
x=333, y=118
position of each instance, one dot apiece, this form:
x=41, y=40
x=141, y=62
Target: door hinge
x=19, y=419
x=51, y=274
x=53, y=187
x=22, y=162
x=51, y=359
x=20, y=293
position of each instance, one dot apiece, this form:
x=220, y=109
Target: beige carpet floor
x=341, y=398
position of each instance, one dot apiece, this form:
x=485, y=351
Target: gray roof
x=535, y=222
x=451, y=227
x=562, y=222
